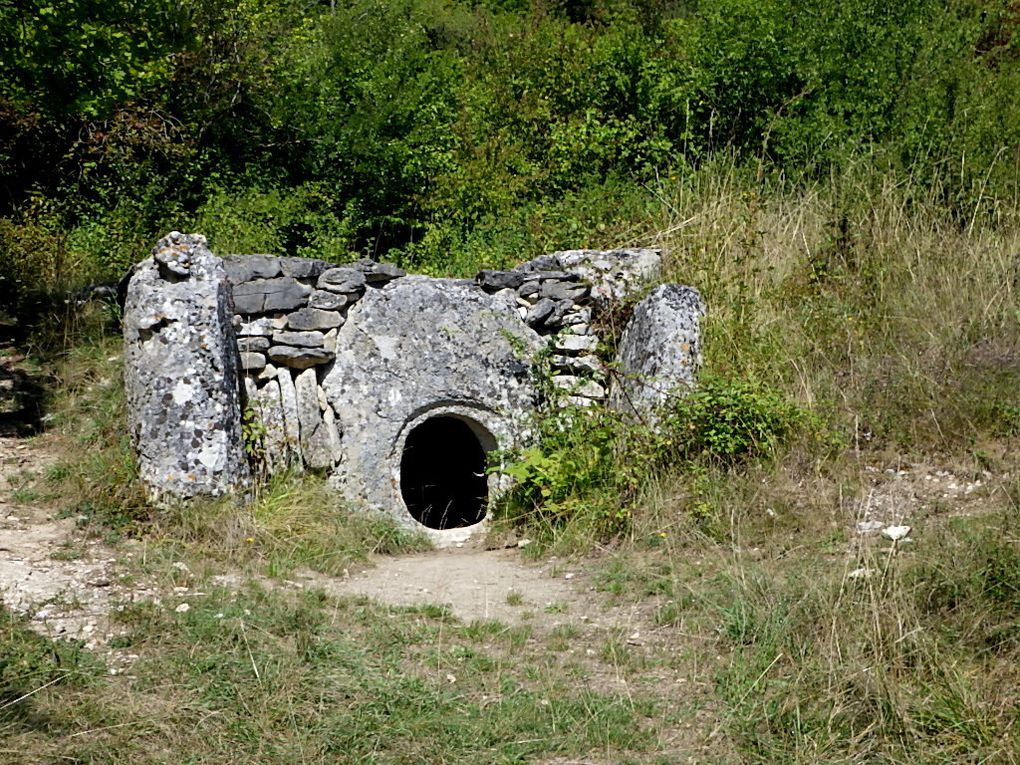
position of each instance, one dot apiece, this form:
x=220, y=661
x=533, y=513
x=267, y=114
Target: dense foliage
x=446, y=133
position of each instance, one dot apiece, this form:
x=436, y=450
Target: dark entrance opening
x=442, y=474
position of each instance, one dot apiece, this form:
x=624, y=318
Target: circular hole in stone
x=442, y=473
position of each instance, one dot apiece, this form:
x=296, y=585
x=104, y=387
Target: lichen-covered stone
x=180, y=372
x=327, y=301
x=417, y=348
x=660, y=351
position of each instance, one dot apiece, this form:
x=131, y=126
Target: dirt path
x=485, y=585
x=48, y=570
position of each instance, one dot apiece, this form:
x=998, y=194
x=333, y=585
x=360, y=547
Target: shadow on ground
x=23, y=391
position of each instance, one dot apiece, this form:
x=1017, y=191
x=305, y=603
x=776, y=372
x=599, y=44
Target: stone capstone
x=180, y=377
x=660, y=351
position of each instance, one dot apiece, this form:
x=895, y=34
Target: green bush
x=728, y=420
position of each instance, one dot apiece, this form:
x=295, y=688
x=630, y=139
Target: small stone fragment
x=303, y=268
x=313, y=318
x=494, y=281
x=558, y=290
x=381, y=273
x=577, y=363
x=586, y=343
x=343, y=279
x=529, y=289
x=299, y=358
x=539, y=312
x=245, y=268
x=252, y=362
x=254, y=344
x=578, y=386
x=309, y=339
x=261, y=327
x=327, y=301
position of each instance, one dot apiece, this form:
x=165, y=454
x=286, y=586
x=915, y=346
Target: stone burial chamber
x=403, y=389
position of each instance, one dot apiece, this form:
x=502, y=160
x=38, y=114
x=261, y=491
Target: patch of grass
x=277, y=677
x=294, y=521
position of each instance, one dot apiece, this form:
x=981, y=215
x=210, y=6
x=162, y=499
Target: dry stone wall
x=337, y=367
x=287, y=315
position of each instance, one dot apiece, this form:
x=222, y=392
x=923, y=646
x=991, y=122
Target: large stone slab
x=180, y=373
x=660, y=351
x=420, y=348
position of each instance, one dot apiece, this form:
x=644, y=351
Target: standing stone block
x=660, y=351
x=291, y=423
x=315, y=442
x=269, y=404
x=180, y=373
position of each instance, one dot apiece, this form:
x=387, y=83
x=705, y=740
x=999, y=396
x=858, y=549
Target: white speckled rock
x=613, y=274
x=660, y=351
x=180, y=370
x=291, y=425
x=419, y=348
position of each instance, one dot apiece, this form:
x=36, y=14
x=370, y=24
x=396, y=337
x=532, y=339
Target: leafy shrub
x=728, y=420
x=588, y=467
